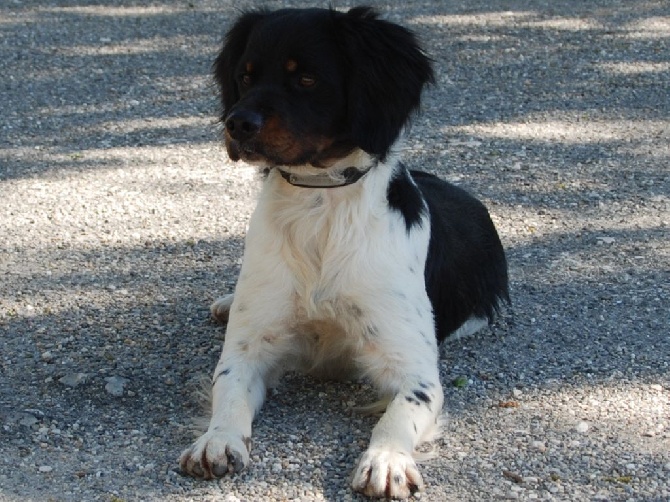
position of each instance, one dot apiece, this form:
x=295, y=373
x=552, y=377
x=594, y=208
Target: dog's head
x=309, y=86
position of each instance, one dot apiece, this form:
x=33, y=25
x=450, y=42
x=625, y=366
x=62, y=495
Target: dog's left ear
x=226, y=62
x=388, y=70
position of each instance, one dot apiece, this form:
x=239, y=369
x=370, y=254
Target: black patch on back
x=466, y=269
x=405, y=197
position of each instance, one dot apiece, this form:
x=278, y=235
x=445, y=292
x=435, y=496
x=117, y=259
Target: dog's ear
x=388, y=70
x=226, y=62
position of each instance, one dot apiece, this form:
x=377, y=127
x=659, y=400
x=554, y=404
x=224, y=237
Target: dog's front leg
x=237, y=394
x=248, y=359
x=410, y=374
x=388, y=468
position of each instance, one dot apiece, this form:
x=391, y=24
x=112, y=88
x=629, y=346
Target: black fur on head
x=234, y=46
x=369, y=77
x=388, y=72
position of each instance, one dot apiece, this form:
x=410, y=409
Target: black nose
x=243, y=124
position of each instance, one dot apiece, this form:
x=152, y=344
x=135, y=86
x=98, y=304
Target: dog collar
x=348, y=176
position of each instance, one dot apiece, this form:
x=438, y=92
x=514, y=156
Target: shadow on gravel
x=107, y=76
x=99, y=77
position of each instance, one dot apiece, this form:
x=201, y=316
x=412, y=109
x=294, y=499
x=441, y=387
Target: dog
x=353, y=264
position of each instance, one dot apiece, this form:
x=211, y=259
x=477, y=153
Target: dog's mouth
x=273, y=144
x=243, y=151
x=281, y=151
x=255, y=152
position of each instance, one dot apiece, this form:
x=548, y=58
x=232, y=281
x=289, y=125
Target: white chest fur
x=333, y=264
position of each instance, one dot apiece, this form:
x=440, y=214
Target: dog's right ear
x=226, y=62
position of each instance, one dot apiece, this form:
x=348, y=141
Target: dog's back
x=466, y=270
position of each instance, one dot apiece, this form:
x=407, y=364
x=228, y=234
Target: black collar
x=348, y=176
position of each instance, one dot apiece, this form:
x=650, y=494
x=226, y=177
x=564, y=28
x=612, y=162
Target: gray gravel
x=121, y=220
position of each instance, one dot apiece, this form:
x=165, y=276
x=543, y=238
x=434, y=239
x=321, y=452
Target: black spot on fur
x=372, y=331
x=404, y=196
x=224, y=371
x=422, y=396
x=410, y=399
x=466, y=269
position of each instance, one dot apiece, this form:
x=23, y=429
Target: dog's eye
x=306, y=81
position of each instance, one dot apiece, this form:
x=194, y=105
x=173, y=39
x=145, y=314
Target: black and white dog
x=352, y=263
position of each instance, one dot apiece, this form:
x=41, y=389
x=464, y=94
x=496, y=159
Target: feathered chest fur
x=329, y=239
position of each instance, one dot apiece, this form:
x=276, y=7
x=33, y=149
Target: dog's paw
x=382, y=472
x=220, y=309
x=216, y=453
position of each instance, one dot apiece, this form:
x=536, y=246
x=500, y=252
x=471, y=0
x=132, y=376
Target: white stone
x=582, y=427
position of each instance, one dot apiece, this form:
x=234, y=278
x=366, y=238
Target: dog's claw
x=235, y=460
x=219, y=470
x=197, y=471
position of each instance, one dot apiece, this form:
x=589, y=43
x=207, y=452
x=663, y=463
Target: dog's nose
x=243, y=124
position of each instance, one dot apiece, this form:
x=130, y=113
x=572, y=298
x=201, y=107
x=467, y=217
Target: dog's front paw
x=382, y=472
x=215, y=453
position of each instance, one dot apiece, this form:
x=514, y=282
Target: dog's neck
x=345, y=171
x=347, y=176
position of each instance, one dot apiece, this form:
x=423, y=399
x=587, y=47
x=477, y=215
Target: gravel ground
x=121, y=220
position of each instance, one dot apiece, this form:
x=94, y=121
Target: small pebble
x=73, y=379
x=582, y=427
x=115, y=385
x=45, y=468
x=27, y=419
